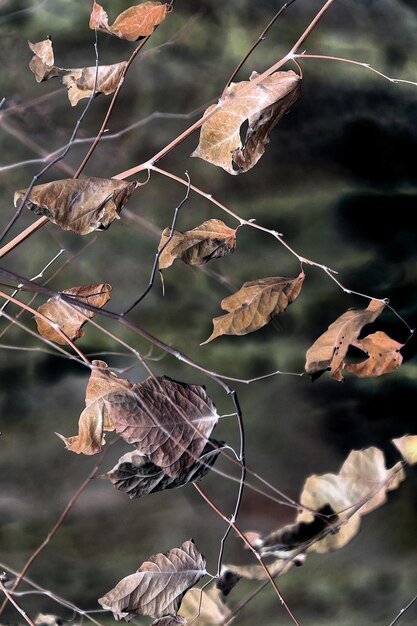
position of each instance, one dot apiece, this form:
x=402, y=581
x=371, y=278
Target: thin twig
x=10, y=598
x=401, y=613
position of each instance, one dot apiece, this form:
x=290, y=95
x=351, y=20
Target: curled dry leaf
x=137, y=21
x=360, y=487
x=158, y=586
x=204, y=608
x=210, y=240
x=81, y=205
x=262, y=105
x=329, y=350
x=168, y=421
x=42, y=63
x=255, y=304
x=70, y=317
x=169, y=620
x=383, y=356
x=408, y=447
x=137, y=476
x=95, y=418
x=278, y=567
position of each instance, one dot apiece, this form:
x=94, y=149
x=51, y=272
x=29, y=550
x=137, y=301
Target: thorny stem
x=10, y=598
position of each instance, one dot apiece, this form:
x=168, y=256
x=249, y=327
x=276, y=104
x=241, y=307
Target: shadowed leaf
x=255, y=304
x=383, y=356
x=158, y=586
x=262, y=105
x=81, y=205
x=169, y=620
x=278, y=567
x=137, y=21
x=211, y=240
x=204, y=608
x=71, y=318
x=408, y=447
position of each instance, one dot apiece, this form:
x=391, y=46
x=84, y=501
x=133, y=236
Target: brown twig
x=10, y=598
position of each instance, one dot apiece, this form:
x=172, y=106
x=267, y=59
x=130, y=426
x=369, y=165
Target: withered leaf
x=329, y=350
x=204, y=608
x=81, y=205
x=407, y=445
x=95, y=418
x=360, y=487
x=42, y=63
x=168, y=421
x=68, y=317
x=278, y=567
x=138, y=477
x=262, y=105
x=210, y=240
x=169, y=620
x=158, y=586
x=255, y=304
x=137, y=21
x=383, y=356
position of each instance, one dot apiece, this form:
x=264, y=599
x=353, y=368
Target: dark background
x=338, y=179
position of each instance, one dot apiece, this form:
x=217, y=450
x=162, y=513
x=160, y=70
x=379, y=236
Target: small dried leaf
x=137, y=21
x=70, y=318
x=329, y=350
x=168, y=421
x=255, y=304
x=204, y=608
x=210, y=240
x=170, y=620
x=278, y=567
x=383, y=356
x=81, y=205
x=408, y=447
x=263, y=105
x=138, y=477
x=83, y=82
x=42, y=64
x=158, y=586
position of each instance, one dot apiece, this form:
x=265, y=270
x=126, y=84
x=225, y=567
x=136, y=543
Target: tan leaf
x=408, y=447
x=330, y=349
x=383, y=356
x=158, y=586
x=42, y=64
x=360, y=487
x=70, y=318
x=81, y=83
x=210, y=612
x=210, y=240
x=262, y=105
x=79, y=204
x=137, y=21
x=278, y=567
x=255, y=304
x=170, y=620
x=95, y=418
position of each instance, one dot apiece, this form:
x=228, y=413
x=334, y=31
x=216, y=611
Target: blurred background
x=338, y=179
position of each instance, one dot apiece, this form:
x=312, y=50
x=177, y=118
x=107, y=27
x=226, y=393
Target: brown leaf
x=70, y=318
x=204, y=608
x=42, y=64
x=158, y=586
x=408, y=447
x=169, y=620
x=255, y=304
x=137, y=21
x=95, y=418
x=82, y=204
x=360, y=487
x=262, y=105
x=168, y=421
x=210, y=240
x=329, y=350
x=383, y=356
x=278, y=567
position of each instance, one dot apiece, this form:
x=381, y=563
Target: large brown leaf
x=204, y=608
x=137, y=21
x=329, y=350
x=70, y=318
x=158, y=586
x=82, y=204
x=407, y=445
x=168, y=421
x=95, y=418
x=210, y=240
x=137, y=476
x=255, y=304
x=262, y=105
x=383, y=356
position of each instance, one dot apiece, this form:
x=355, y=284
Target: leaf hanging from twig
x=204, y=608
x=158, y=586
x=210, y=240
x=262, y=105
x=383, y=356
x=407, y=445
x=255, y=304
x=81, y=205
x=137, y=21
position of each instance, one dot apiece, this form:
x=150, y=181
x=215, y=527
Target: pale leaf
x=407, y=445
x=204, y=608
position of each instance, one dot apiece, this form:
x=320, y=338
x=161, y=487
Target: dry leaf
x=278, y=567
x=255, y=304
x=210, y=240
x=383, y=356
x=158, y=586
x=137, y=21
x=262, y=105
x=169, y=620
x=168, y=421
x=79, y=204
x=329, y=350
x=69, y=317
x=137, y=476
x=207, y=605
x=95, y=419
x=42, y=63
x=360, y=487
x=408, y=447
